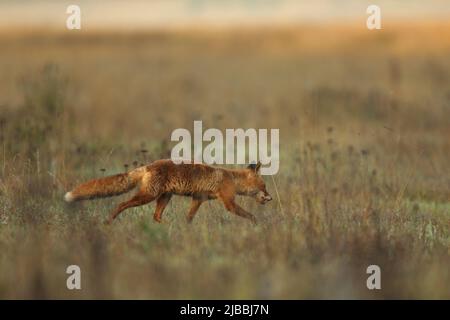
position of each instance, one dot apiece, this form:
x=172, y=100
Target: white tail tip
x=69, y=197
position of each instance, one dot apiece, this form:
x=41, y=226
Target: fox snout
x=267, y=197
x=263, y=197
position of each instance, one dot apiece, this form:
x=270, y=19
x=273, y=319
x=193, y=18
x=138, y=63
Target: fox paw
x=157, y=219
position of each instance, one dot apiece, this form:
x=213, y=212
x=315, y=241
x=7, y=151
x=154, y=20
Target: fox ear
x=254, y=167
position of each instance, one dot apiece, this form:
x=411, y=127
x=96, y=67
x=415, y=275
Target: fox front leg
x=233, y=207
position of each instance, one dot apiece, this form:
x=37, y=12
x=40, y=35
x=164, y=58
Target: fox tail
x=106, y=187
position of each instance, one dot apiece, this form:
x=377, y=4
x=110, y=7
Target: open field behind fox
x=364, y=178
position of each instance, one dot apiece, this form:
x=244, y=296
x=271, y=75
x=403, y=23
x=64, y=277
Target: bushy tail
x=106, y=187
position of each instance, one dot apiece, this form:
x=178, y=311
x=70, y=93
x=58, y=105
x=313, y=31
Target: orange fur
x=163, y=178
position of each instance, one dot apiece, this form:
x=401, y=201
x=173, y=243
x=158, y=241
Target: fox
x=162, y=179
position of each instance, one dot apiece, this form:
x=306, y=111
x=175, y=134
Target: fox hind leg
x=138, y=200
x=161, y=204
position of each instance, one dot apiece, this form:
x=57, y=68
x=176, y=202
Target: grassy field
x=364, y=178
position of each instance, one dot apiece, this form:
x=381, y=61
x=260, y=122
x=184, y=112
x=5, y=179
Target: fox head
x=255, y=184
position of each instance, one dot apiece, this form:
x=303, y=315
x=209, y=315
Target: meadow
x=364, y=178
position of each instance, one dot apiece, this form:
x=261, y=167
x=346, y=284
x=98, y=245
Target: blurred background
x=364, y=119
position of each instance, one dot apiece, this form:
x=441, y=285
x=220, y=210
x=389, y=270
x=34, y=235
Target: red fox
x=163, y=178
